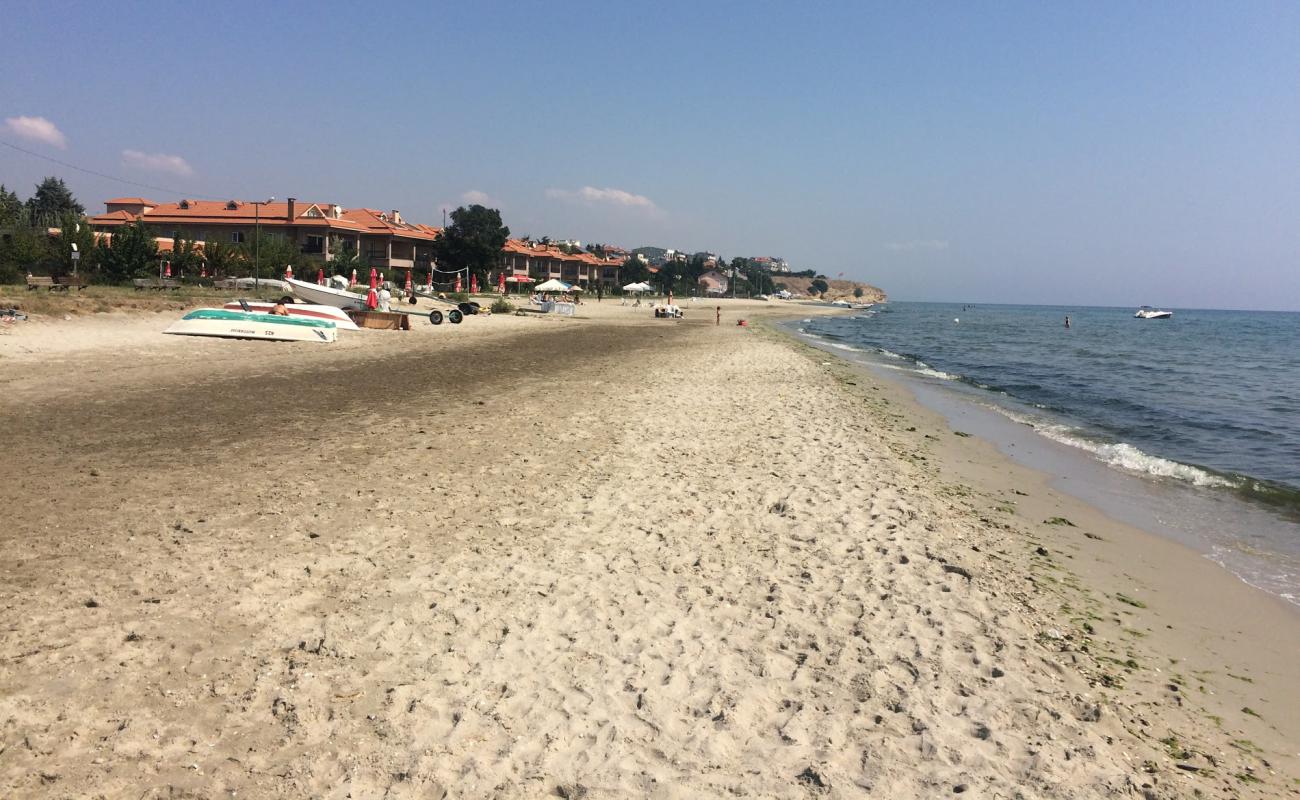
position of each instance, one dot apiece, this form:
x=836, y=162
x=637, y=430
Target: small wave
x=925, y=369
x=850, y=348
x=889, y=354
x=1121, y=454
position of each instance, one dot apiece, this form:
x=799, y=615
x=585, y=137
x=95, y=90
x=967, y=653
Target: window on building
x=237, y=237
x=314, y=245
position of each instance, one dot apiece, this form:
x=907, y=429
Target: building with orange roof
x=320, y=230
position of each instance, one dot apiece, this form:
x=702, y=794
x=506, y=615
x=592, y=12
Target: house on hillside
x=714, y=282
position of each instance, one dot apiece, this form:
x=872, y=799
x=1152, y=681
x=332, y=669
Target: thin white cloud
x=36, y=129
x=157, y=162
x=914, y=245
x=590, y=195
x=474, y=196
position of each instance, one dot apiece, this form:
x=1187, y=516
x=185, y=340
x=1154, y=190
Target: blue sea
x=1208, y=402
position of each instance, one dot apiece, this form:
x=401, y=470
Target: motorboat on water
x=841, y=304
x=224, y=323
x=1147, y=312
x=325, y=295
x=301, y=310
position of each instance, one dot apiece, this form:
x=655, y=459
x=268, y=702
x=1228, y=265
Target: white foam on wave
x=890, y=354
x=850, y=348
x=926, y=369
x=1121, y=455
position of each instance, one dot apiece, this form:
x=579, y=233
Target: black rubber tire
x=455, y=317
x=435, y=317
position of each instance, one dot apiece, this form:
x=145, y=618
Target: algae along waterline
x=1196, y=418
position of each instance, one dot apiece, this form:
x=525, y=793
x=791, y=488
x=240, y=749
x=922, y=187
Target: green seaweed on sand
x=1250, y=711
x=1123, y=598
x=1058, y=521
x=960, y=433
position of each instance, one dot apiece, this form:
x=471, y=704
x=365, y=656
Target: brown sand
x=607, y=557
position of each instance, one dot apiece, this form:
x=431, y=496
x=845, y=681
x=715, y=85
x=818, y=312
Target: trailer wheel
x=455, y=317
x=435, y=317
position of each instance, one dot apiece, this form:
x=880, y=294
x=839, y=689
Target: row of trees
x=683, y=277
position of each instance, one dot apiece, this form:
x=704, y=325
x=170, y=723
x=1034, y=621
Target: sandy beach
x=609, y=556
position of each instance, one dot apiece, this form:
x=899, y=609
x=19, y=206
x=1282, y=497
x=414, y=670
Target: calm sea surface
x=1209, y=399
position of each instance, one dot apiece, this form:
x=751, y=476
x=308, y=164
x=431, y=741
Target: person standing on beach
x=718, y=319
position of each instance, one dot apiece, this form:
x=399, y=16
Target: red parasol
x=167, y=269
x=354, y=279
x=320, y=276
x=288, y=271
x=501, y=282
x=374, y=277
x=408, y=280
x=473, y=283
x=457, y=281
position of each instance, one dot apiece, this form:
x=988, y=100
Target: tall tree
x=52, y=200
x=131, y=252
x=473, y=239
x=11, y=208
x=74, y=236
x=633, y=271
x=819, y=285
x=186, y=257
x=223, y=258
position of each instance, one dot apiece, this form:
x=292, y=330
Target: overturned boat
x=325, y=295
x=299, y=310
x=227, y=324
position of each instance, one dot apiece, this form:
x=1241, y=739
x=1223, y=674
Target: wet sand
x=603, y=557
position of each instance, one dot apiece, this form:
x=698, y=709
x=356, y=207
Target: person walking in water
x=1067, y=320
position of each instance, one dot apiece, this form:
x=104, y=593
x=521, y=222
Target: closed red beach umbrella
x=320, y=276
x=473, y=283
x=372, y=299
x=501, y=282
x=354, y=278
x=288, y=271
x=374, y=277
x=167, y=269
x=408, y=280
x=458, y=281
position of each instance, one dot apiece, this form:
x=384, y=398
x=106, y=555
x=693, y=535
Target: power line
x=108, y=177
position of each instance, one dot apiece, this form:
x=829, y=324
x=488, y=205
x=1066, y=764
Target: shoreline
x=614, y=556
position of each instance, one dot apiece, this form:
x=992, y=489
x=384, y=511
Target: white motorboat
x=303, y=310
x=325, y=295
x=1147, y=312
x=228, y=324
x=841, y=304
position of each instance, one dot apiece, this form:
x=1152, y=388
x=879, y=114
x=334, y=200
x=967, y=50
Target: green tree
x=344, y=258
x=11, y=208
x=52, y=200
x=73, y=230
x=473, y=239
x=24, y=249
x=274, y=252
x=223, y=258
x=857, y=292
x=186, y=257
x=633, y=271
x=131, y=252
x=819, y=286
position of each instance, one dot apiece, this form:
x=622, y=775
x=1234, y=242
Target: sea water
x=1203, y=409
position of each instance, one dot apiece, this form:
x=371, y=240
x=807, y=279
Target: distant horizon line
x=1092, y=306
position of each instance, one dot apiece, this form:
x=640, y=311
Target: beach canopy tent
x=552, y=285
x=637, y=287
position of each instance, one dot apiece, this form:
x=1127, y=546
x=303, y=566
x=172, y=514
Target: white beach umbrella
x=552, y=285
x=637, y=287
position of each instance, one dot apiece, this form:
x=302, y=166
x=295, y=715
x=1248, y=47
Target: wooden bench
x=40, y=281
x=67, y=282
x=155, y=284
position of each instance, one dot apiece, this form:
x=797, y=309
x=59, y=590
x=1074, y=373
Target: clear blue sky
x=1094, y=153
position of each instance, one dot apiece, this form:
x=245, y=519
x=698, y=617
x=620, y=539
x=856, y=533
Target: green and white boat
x=251, y=325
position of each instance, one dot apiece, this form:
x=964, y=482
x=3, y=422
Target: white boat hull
x=1154, y=314
x=222, y=323
x=325, y=296
x=304, y=310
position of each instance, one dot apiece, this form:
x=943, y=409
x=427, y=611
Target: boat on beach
x=1147, y=312
x=227, y=324
x=300, y=310
x=325, y=295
